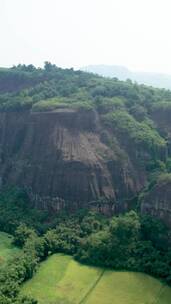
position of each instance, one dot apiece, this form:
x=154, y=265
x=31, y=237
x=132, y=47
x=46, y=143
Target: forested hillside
x=75, y=147
x=73, y=139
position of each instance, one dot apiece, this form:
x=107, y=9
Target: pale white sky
x=75, y=33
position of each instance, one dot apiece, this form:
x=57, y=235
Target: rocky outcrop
x=63, y=159
x=157, y=201
x=162, y=118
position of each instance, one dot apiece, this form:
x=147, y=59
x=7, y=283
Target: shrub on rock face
x=140, y=132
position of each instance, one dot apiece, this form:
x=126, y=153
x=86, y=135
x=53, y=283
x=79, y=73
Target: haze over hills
x=122, y=73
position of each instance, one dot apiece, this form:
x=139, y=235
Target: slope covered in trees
x=94, y=141
x=128, y=242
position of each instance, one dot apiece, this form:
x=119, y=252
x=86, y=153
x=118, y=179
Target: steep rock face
x=162, y=118
x=62, y=159
x=157, y=202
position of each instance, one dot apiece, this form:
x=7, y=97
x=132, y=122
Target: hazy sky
x=75, y=33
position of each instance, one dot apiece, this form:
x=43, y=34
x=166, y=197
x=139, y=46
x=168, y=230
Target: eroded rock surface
x=63, y=158
x=157, y=201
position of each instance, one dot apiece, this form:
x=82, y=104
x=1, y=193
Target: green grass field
x=7, y=250
x=61, y=280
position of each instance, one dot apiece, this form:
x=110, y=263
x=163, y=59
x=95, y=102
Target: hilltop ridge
x=159, y=80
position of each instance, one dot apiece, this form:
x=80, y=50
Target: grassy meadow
x=7, y=250
x=62, y=280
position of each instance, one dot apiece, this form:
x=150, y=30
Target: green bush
x=139, y=132
x=48, y=104
x=106, y=104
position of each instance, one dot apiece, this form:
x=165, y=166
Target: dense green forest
x=130, y=241
x=27, y=85
x=22, y=87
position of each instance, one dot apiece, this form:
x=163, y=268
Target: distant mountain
x=122, y=73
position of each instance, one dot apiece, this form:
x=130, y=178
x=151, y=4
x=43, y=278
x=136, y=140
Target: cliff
x=73, y=139
x=157, y=201
x=61, y=159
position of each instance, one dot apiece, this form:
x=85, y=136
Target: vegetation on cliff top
x=23, y=86
x=126, y=106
